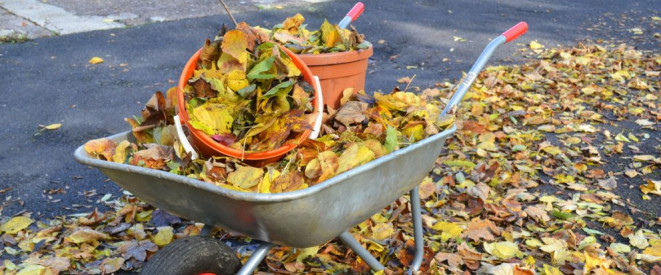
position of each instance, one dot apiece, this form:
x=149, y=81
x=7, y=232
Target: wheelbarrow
x=292, y=218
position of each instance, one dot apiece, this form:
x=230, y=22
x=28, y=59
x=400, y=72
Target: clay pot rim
x=336, y=57
x=241, y=154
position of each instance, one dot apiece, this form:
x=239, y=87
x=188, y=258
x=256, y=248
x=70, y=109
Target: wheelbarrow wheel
x=193, y=255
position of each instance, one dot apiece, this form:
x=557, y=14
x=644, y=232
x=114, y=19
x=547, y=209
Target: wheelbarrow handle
x=507, y=36
x=352, y=15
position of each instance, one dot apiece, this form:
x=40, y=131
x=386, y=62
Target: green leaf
x=245, y=92
x=592, y=231
x=391, y=139
x=459, y=163
x=562, y=215
x=261, y=70
x=282, y=87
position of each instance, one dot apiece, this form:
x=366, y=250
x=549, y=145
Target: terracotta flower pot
x=208, y=147
x=338, y=71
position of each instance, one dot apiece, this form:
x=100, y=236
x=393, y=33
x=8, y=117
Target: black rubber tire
x=192, y=256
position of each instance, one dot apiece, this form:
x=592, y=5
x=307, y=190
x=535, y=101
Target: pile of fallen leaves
x=246, y=93
x=361, y=130
x=530, y=184
x=328, y=38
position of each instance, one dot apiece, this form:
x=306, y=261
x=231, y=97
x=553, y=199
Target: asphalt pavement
x=49, y=80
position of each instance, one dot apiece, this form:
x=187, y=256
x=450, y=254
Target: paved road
x=49, y=80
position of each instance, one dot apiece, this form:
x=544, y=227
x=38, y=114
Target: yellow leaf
x=329, y=34
x=448, y=229
x=245, y=176
x=653, y=186
x=502, y=250
x=382, y=231
x=54, y=126
x=654, y=250
x=164, y=236
x=34, y=269
x=265, y=185
x=553, y=244
x=306, y=252
x=120, y=152
x=534, y=243
x=551, y=270
x=552, y=150
x=235, y=44
x=291, y=24
x=414, y=133
x=96, y=60
x=354, y=156
x=534, y=45
x=638, y=240
x=212, y=118
x=16, y=224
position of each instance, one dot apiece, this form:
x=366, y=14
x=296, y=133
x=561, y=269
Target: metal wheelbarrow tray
x=301, y=218
x=306, y=217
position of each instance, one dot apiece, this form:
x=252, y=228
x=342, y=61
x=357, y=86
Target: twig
x=228, y=12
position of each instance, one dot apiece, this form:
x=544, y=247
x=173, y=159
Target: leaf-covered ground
x=533, y=182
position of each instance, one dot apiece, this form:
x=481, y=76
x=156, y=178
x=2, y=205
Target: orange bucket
x=209, y=147
x=338, y=71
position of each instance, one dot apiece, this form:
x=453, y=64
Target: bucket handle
x=182, y=138
x=316, y=129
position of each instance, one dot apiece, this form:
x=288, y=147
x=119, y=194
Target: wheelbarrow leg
x=256, y=258
x=417, y=230
x=349, y=241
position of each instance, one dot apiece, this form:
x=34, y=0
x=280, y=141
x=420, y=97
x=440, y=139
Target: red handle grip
x=356, y=11
x=516, y=31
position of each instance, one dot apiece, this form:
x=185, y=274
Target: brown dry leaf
x=352, y=112
x=537, y=214
x=156, y=156
x=111, y=265
x=608, y=184
x=454, y=260
x=427, y=188
x=85, y=234
x=329, y=164
x=102, y=148
x=479, y=229
x=480, y=190
x=287, y=182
